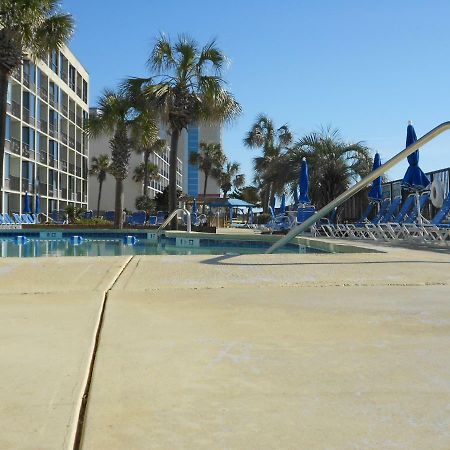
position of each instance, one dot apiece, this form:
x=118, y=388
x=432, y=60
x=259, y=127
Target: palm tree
x=187, y=88
x=114, y=117
x=99, y=168
x=273, y=142
x=229, y=177
x=32, y=28
x=333, y=164
x=209, y=160
x=144, y=173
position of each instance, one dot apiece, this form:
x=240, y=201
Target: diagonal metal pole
x=360, y=185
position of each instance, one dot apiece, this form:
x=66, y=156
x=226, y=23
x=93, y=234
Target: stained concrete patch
x=273, y=368
x=45, y=342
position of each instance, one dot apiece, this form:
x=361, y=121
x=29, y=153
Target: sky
x=365, y=67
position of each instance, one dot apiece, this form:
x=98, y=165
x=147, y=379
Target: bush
x=145, y=203
x=94, y=221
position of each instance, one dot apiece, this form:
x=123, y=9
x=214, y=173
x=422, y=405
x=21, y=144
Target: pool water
x=36, y=247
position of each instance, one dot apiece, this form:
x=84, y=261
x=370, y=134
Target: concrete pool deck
x=317, y=351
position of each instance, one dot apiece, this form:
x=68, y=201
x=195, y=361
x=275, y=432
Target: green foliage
x=93, y=221
x=100, y=167
x=162, y=199
x=74, y=213
x=248, y=193
x=145, y=203
x=229, y=177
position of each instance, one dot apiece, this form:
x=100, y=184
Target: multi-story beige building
x=46, y=150
x=189, y=179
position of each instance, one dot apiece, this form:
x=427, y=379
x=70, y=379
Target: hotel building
x=46, y=150
x=189, y=178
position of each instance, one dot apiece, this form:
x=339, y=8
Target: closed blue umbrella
x=272, y=203
x=26, y=204
x=37, y=206
x=194, y=207
x=250, y=216
x=283, y=204
x=414, y=178
x=304, y=183
x=376, y=193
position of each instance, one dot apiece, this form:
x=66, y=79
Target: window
x=72, y=76
x=85, y=91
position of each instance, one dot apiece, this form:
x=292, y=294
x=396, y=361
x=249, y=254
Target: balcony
x=71, y=142
x=42, y=189
x=79, y=92
x=64, y=193
x=43, y=157
x=79, y=121
x=64, y=110
x=78, y=171
x=52, y=100
x=63, y=165
x=14, y=146
x=43, y=125
x=72, y=115
x=84, y=198
x=44, y=93
x=71, y=168
x=26, y=185
x=78, y=146
x=78, y=196
x=14, y=183
x=52, y=130
x=15, y=109
x=27, y=116
x=25, y=150
x=63, y=137
x=28, y=82
x=51, y=161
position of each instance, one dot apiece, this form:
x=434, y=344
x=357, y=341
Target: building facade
x=46, y=149
x=189, y=179
x=132, y=189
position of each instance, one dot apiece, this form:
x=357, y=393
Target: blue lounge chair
x=138, y=218
x=109, y=215
x=58, y=217
x=88, y=214
x=8, y=220
x=392, y=210
x=161, y=216
x=305, y=213
x=152, y=220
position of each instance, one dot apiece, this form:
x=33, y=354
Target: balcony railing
x=72, y=115
x=26, y=185
x=14, y=183
x=42, y=189
x=63, y=165
x=64, y=109
x=27, y=116
x=78, y=146
x=28, y=82
x=51, y=161
x=78, y=171
x=15, y=146
x=71, y=168
x=52, y=130
x=25, y=150
x=15, y=109
x=53, y=100
x=79, y=92
x=79, y=121
x=71, y=142
x=44, y=93
x=43, y=157
x=64, y=192
x=63, y=137
x=43, y=125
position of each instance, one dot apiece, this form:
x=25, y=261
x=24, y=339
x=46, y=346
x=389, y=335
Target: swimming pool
x=24, y=245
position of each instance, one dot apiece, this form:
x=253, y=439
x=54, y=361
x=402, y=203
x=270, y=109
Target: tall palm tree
x=273, y=142
x=209, y=160
x=144, y=173
x=229, y=177
x=187, y=87
x=114, y=117
x=32, y=28
x=99, y=168
x=334, y=164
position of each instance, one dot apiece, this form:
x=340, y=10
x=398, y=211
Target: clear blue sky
x=365, y=67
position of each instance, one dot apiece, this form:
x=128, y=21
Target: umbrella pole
x=419, y=215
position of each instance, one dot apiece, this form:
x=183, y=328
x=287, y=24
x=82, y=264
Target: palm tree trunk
x=3, y=100
x=204, y=193
x=146, y=157
x=100, y=185
x=173, y=175
x=118, y=220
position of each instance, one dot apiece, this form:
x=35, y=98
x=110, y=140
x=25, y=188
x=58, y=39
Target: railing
x=172, y=215
x=44, y=93
x=15, y=146
x=360, y=185
x=43, y=125
x=43, y=157
x=25, y=149
x=14, y=183
x=63, y=165
x=15, y=108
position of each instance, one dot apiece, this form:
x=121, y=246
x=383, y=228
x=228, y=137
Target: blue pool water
x=88, y=245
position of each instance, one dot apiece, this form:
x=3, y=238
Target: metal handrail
x=172, y=215
x=360, y=185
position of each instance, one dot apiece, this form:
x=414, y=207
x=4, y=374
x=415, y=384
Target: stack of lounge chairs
x=389, y=225
x=8, y=222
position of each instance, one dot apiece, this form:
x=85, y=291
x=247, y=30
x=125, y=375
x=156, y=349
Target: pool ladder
x=360, y=185
x=172, y=215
